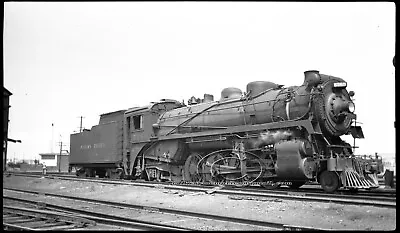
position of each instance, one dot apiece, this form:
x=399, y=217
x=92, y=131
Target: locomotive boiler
x=269, y=133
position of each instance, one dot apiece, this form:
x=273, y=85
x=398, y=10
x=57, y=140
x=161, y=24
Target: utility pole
x=59, y=159
x=52, y=134
x=80, y=128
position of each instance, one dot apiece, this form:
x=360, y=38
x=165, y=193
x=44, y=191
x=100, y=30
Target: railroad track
x=369, y=195
x=60, y=217
x=18, y=218
x=377, y=199
x=311, y=187
x=170, y=215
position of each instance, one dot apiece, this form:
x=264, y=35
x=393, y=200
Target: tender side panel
x=102, y=144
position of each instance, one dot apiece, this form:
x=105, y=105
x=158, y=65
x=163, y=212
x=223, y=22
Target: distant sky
x=70, y=59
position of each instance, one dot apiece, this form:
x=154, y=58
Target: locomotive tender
x=267, y=134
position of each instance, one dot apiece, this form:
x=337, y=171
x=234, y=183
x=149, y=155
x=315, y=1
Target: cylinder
x=291, y=161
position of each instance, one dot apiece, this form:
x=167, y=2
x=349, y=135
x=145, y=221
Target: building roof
x=6, y=92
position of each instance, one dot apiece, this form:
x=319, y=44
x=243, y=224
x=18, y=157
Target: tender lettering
x=95, y=146
x=86, y=147
x=99, y=145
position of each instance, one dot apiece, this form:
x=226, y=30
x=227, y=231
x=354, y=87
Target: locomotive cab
x=139, y=131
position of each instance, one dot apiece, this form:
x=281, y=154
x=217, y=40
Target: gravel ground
x=310, y=214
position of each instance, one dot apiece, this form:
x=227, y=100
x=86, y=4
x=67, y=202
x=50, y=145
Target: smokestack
x=311, y=78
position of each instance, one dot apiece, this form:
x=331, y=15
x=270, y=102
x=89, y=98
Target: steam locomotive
x=266, y=135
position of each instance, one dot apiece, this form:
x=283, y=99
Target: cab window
x=137, y=122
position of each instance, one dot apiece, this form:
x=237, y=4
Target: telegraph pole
x=59, y=159
x=61, y=150
x=52, y=135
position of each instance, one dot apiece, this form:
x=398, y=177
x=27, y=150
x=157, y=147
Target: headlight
x=352, y=107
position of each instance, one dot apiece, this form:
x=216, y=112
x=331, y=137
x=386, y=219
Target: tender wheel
x=329, y=181
x=101, y=173
x=89, y=172
x=81, y=173
x=113, y=174
x=190, y=168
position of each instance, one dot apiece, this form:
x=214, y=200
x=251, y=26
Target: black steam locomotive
x=268, y=134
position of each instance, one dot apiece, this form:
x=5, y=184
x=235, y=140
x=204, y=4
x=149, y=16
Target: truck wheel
x=190, y=169
x=81, y=173
x=329, y=181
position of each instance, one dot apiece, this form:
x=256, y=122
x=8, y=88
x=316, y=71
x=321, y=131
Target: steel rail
x=273, y=225
x=102, y=218
x=360, y=193
x=9, y=226
x=49, y=219
x=378, y=196
x=292, y=195
x=380, y=193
